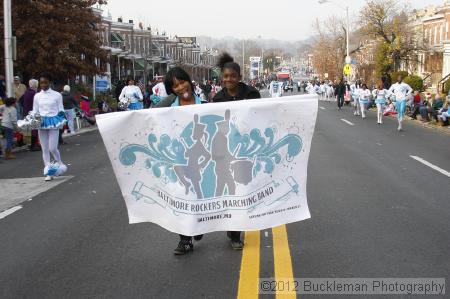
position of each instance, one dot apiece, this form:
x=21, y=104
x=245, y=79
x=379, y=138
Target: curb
x=428, y=125
x=81, y=132
x=65, y=135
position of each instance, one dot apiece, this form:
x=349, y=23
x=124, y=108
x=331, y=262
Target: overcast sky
x=280, y=19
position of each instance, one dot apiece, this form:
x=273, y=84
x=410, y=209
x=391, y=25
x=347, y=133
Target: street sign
x=101, y=83
x=347, y=69
x=348, y=59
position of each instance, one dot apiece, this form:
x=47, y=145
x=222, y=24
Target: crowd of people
x=398, y=99
x=44, y=112
x=132, y=95
x=177, y=89
x=25, y=105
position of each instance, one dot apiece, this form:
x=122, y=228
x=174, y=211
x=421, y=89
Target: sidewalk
x=417, y=122
x=65, y=135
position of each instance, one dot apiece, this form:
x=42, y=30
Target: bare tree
x=388, y=22
x=329, y=46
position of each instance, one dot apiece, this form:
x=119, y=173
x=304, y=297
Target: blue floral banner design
x=225, y=166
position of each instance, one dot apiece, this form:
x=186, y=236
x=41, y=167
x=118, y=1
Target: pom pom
x=55, y=169
x=123, y=104
x=32, y=122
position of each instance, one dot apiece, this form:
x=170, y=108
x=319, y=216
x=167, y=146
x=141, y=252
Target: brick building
x=432, y=63
x=143, y=53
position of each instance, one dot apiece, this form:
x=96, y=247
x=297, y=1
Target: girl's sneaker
x=198, y=237
x=184, y=247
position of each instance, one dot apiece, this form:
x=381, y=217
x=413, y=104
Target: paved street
x=376, y=212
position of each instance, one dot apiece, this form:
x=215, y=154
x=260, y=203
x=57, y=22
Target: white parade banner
x=234, y=166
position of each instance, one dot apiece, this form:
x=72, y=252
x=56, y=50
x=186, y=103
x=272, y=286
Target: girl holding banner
x=234, y=90
x=179, y=84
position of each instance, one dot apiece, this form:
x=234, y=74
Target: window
x=446, y=30
x=435, y=35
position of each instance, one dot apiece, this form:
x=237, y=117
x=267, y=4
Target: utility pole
x=243, y=59
x=9, y=71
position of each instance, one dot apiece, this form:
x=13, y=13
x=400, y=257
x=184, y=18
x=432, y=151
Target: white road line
x=323, y=108
x=10, y=211
x=347, y=122
x=444, y=172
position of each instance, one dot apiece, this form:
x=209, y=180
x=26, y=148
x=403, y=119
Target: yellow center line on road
x=249, y=276
x=283, y=263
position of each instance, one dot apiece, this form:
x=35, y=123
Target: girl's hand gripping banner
x=232, y=166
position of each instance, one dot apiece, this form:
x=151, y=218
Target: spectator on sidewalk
x=444, y=112
x=19, y=90
x=2, y=87
x=27, y=103
x=9, y=125
x=118, y=89
x=431, y=108
x=207, y=90
x=69, y=104
x=390, y=108
x=417, y=103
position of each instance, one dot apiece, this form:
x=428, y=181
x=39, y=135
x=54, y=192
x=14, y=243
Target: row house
x=432, y=61
x=363, y=64
x=135, y=51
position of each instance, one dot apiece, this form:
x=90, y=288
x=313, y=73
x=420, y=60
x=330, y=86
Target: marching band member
x=48, y=105
x=380, y=94
x=132, y=95
x=276, y=89
x=354, y=91
x=401, y=91
x=364, y=98
x=233, y=87
x=234, y=90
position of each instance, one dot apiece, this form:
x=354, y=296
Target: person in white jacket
x=380, y=95
x=276, y=89
x=132, y=95
x=354, y=91
x=48, y=106
x=329, y=91
x=309, y=88
x=364, y=98
x=401, y=92
x=159, y=89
